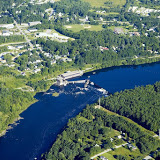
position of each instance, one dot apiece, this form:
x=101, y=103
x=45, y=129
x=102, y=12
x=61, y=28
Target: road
x=20, y=30
x=107, y=150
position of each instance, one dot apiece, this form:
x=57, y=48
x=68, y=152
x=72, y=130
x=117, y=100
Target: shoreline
x=96, y=68
x=2, y=133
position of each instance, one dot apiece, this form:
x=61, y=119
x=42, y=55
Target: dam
x=62, y=79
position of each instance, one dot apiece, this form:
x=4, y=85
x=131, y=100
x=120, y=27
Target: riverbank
x=44, y=120
x=87, y=69
x=133, y=62
x=15, y=119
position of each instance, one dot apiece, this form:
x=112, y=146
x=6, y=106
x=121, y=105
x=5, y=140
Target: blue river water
x=43, y=120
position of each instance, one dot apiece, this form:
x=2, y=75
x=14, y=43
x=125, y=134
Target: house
x=103, y=48
x=66, y=59
x=111, y=139
x=19, y=47
x=119, y=137
x=34, y=23
x=57, y=57
x=101, y=19
x=23, y=74
x=103, y=158
x=136, y=33
x=37, y=70
x=96, y=145
x=118, y=30
x=147, y=158
x=53, y=62
x=24, y=24
x=11, y=47
x=60, y=14
x=32, y=30
x=130, y=146
x=8, y=26
x=55, y=34
x=6, y=33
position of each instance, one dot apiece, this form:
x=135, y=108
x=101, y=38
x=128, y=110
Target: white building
x=24, y=24
x=11, y=47
x=34, y=23
x=37, y=70
x=6, y=33
x=119, y=137
x=19, y=47
x=8, y=26
x=32, y=30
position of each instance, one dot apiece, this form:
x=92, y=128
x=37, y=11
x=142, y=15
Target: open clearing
x=79, y=27
x=125, y=152
x=100, y=3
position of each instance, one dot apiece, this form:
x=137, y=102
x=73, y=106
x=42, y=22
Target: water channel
x=43, y=120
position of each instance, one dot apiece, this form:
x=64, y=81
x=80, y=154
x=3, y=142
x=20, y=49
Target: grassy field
x=79, y=27
x=124, y=152
x=100, y=3
x=108, y=156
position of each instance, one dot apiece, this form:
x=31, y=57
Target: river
x=43, y=120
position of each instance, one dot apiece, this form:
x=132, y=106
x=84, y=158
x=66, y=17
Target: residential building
x=34, y=23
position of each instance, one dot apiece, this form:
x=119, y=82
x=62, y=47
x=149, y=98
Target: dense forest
x=90, y=127
x=8, y=4
x=6, y=19
x=12, y=103
x=71, y=7
x=140, y=104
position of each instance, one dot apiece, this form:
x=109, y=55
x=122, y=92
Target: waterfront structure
x=73, y=74
x=62, y=79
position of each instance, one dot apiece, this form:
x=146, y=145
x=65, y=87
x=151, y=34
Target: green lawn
x=100, y=3
x=79, y=27
x=108, y=156
x=125, y=152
